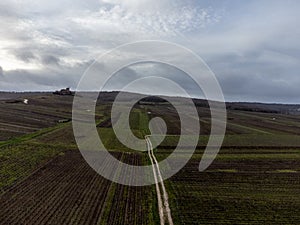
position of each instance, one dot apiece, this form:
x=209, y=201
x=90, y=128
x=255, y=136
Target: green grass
x=286, y=171
x=244, y=140
x=139, y=127
x=227, y=170
x=258, y=156
x=247, y=128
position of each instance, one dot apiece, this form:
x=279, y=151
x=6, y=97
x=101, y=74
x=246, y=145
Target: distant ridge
x=109, y=96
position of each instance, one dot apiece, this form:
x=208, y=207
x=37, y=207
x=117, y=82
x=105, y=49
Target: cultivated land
x=255, y=179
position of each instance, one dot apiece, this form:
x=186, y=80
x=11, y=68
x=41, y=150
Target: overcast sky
x=253, y=47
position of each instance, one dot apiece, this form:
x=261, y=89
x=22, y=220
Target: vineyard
x=255, y=178
x=68, y=191
x=43, y=110
x=239, y=190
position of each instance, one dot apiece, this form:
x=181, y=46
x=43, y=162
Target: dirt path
x=164, y=210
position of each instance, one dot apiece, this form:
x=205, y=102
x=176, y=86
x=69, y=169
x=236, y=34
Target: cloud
x=25, y=56
x=138, y=71
x=258, y=75
x=50, y=60
x=49, y=78
x=252, y=46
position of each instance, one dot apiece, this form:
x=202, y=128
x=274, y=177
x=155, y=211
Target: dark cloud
x=48, y=79
x=8, y=10
x=25, y=56
x=121, y=79
x=259, y=88
x=254, y=50
x=146, y=69
x=50, y=60
x=258, y=76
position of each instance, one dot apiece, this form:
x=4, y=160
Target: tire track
x=164, y=209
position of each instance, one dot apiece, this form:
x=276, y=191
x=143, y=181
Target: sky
x=253, y=47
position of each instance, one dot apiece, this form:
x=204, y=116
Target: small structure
x=64, y=120
x=66, y=91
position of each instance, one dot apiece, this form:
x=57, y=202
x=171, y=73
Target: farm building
x=66, y=91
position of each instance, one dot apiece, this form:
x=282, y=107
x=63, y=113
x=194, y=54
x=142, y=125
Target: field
x=241, y=187
x=68, y=191
x=255, y=178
